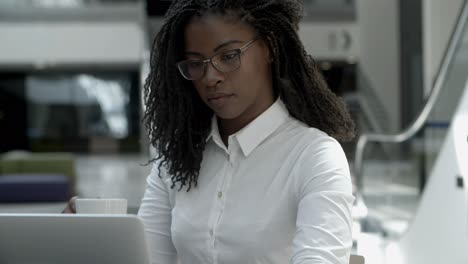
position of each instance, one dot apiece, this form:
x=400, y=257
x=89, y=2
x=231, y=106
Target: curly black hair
x=177, y=119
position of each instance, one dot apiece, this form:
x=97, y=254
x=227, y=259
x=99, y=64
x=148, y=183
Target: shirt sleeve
x=155, y=213
x=324, y=221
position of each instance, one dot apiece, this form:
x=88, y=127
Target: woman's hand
x=70, y=209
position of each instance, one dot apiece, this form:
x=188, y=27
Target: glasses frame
x=210, y=60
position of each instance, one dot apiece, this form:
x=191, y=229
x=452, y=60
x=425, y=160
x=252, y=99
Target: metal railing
x=417, y=125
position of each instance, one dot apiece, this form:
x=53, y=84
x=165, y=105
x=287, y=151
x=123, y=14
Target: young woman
x=248, y=169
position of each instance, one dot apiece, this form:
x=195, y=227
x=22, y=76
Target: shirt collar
x=256, y=131
x=214, y=134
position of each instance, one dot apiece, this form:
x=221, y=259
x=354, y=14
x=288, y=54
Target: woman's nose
x=212, y=75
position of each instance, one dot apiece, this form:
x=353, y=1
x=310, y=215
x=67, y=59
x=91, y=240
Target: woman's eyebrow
x=227, y=43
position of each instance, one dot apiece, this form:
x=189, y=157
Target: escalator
x=423, y=220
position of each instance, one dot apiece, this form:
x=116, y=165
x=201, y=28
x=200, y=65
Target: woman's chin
x=226, y=115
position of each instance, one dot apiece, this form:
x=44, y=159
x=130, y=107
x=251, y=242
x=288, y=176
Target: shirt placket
x=220, y=198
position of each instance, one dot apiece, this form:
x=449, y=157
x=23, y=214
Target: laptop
x=72, y=239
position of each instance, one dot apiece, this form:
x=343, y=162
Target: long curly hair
x=178, y=121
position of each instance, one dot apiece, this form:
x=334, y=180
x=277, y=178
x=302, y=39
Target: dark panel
x=157, y=7
x=412, y=95
x=13, y=107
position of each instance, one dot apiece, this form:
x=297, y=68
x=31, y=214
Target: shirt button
x=211, y=232
x=220, y=194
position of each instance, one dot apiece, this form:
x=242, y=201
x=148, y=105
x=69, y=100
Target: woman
x=248, y=166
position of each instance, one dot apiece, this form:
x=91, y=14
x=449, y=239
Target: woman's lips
x=219, y=100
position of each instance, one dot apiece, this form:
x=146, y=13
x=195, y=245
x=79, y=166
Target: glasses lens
x=191, y=69
x=227, y=61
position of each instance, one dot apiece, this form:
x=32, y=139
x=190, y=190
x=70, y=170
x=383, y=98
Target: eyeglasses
x=225, y=61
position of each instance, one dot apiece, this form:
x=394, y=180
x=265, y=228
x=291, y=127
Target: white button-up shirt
x=279, y=193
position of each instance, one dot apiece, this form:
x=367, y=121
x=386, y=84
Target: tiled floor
x=391, y=194
x=122, y=176
x=113, y=177
x=391, y=188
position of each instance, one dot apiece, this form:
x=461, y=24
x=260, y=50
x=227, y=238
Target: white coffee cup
x=101, y=206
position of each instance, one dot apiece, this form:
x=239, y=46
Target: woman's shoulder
x=159, y=174
x=308, y=137
x=321, y=160
x=314, y=146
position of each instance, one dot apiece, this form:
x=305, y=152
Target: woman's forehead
x=217, y=22
x=212, y=29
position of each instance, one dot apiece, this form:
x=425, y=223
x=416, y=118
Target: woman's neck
x=228, y=127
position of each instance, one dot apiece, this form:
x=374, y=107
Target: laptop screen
x=72, y=239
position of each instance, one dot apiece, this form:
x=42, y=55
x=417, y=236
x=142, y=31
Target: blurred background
x=72, y=71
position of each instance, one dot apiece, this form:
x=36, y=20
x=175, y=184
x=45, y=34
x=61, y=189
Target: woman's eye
x=195, y=64
x=229, y=56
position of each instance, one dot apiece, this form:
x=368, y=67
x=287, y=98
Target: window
x=79, y=112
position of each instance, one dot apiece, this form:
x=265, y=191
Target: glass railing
x=444, y=109
x=389, y=185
